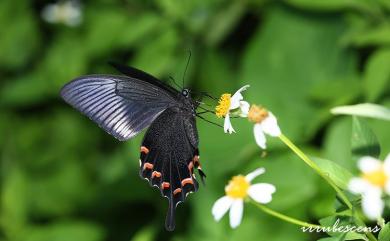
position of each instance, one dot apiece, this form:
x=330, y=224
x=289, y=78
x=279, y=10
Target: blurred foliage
x=62, y=178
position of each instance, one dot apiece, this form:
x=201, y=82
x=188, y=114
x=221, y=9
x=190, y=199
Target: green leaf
x=337, y=142
x=384, y=234
x=377, y=74
x=363, y=141
x=337, y=173
x=377, y=35
x=363, y=110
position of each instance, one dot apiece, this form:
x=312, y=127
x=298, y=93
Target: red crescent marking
x=187, y=181
x=144, y=149
x=191, y=167
x=156, y=174
x=165, y=185
x=196, y=161
x=148, y=165
x=177, y=190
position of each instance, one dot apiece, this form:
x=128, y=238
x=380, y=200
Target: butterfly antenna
x=203, y=112
x=207, y=110
x=188, y=63
x=201, y=117
x=208, y=95
x=202, y=103
x=173, y=80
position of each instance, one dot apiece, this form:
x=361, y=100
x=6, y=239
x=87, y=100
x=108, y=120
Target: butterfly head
x=186, y=93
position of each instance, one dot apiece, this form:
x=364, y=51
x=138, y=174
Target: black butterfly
x=125, y=105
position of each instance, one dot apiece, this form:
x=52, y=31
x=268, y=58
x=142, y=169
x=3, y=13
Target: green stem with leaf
x=316, y=168
x=284, y=217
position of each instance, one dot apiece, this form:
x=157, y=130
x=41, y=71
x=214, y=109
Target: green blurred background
x=63, y=178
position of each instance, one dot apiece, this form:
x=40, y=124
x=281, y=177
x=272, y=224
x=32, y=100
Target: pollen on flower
x=237, y=187
x=223, y=105
x=377, y=177
x=257, y=114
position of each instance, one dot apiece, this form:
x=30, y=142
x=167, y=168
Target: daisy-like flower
x=228, y=103
x=265, y=123
x=238, y=189
x=374, y=181
x=66, y=12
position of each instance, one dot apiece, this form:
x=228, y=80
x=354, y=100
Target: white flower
x=236, y=191
x=66, y=12
x=228, y=103
x=265, y=123
x=374, y=181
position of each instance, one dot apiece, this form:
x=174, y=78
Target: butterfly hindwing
x=121, y=105
x=168, y=156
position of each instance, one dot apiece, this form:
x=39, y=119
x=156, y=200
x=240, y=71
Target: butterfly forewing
x=121, y=105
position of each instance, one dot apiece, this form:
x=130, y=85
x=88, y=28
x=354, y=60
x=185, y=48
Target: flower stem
x=360, y=222
x=316, y=168
x=284, y=217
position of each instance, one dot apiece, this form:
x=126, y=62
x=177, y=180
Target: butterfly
x=124, y=105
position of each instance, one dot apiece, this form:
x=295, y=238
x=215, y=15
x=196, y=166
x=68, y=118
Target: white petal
x=244, y=107
x=386, y=164
x=227, y=126
x=259, y=136
x=358, y=185
x=221, y=206
x=237, y=97
x=235, y=213
x=372, y=203
x=254, y=174
x=270, y=125
x=261, y=192
x=369, y=164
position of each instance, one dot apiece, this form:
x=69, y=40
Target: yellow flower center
x=223, y=105
x=257, y=114
x=377, y=177
x=237, y=187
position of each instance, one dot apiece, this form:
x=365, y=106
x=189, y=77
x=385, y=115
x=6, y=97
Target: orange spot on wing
x=187, y=181
x=177, y=190
x=165, y=185
x=148, y=166
x=144, y=149
x=196, y=161
x=191, y=167
x=196, y=158
x=156, y=174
